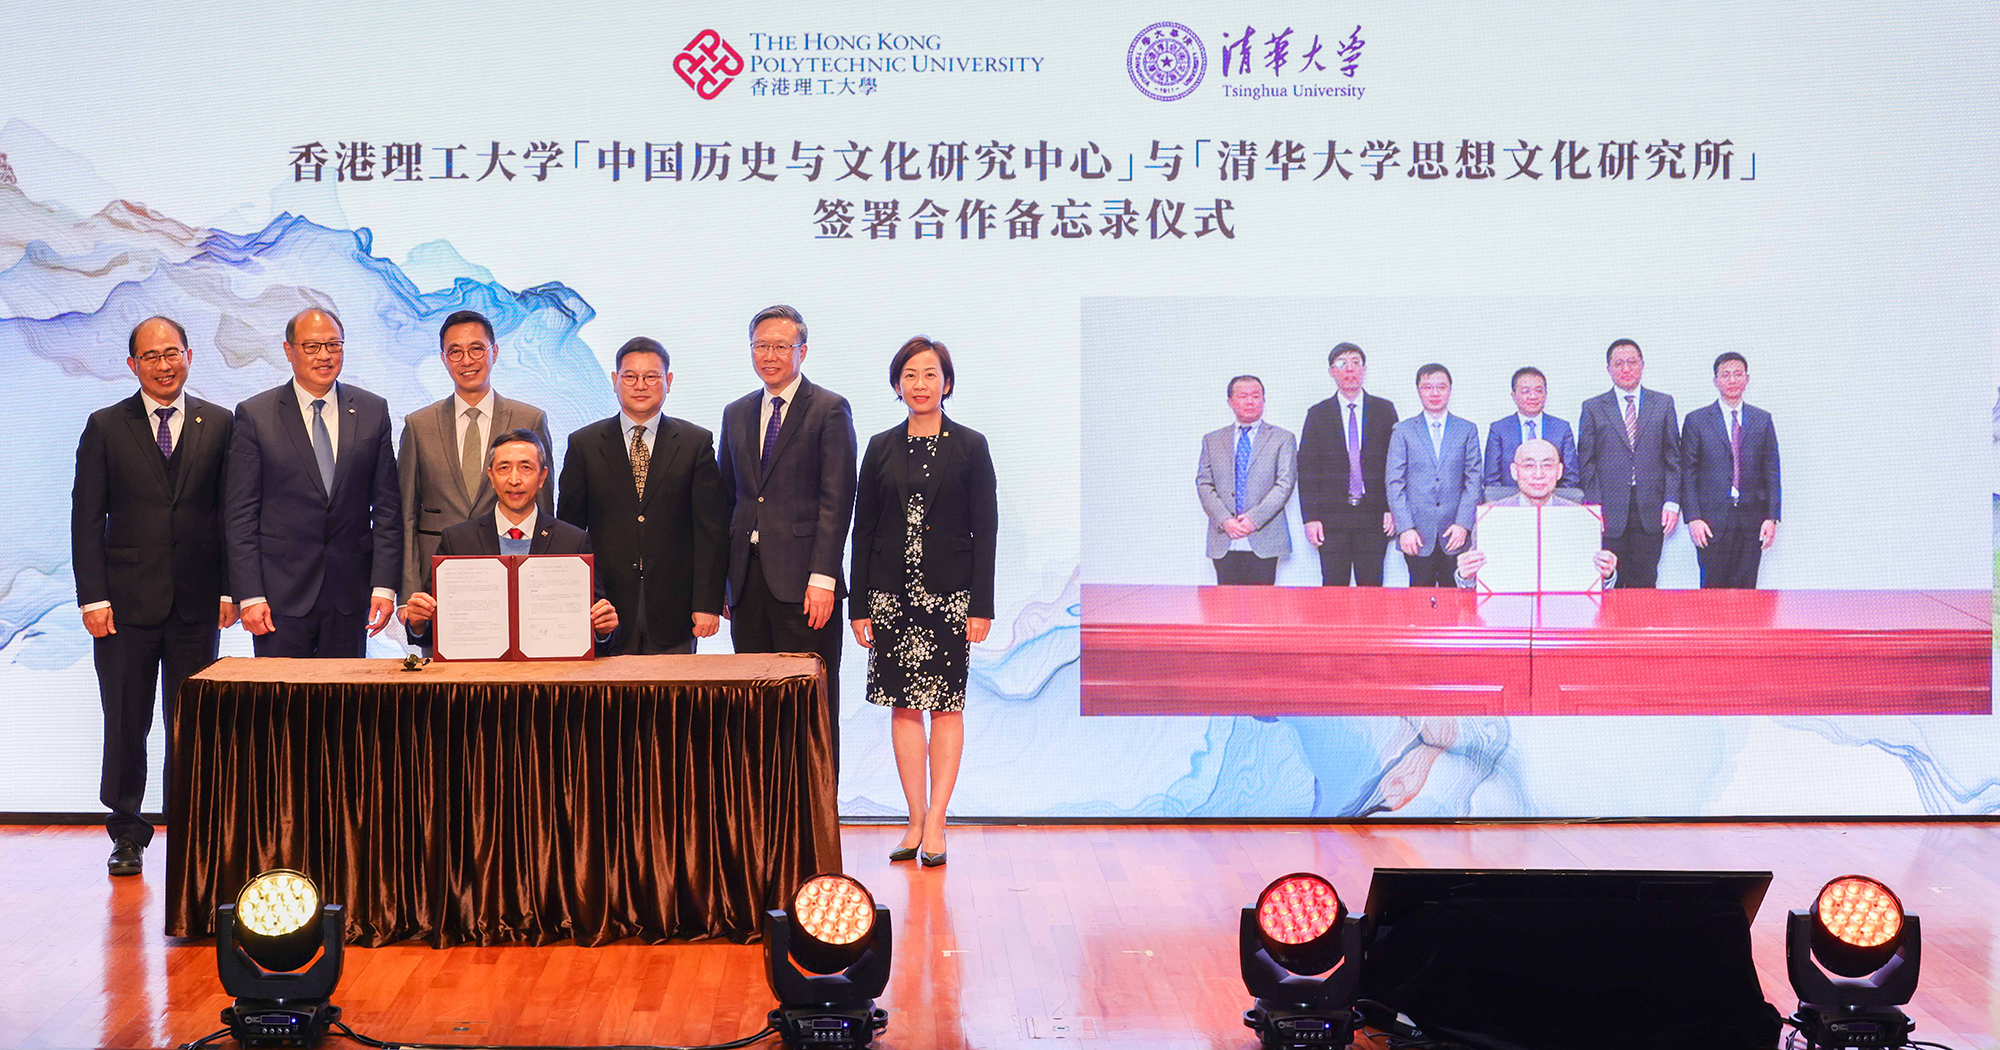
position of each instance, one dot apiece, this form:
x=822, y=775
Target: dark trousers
x=1356, y=550
x=1733, y=552
x=323, y=633
x=1434, y=569
x=1245, y=567
x=760, y=623
x=1638, y=550
x=642, y=642
x=130, y=665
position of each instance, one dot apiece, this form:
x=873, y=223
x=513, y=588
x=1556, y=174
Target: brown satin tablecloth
x=635, y=796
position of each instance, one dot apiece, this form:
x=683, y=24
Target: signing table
x=635, y=796
x=1166, y=650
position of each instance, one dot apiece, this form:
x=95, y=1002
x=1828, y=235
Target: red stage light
x=1859, y=911
x=834, y=909
x=1298, y=908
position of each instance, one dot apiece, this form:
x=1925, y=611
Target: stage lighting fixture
x=835, y=931
x=278, y=950
x=1301, y=956
x=1857, y=929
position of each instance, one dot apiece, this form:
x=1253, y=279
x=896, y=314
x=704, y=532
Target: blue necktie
x=1242, y=464
x=771, y=434
x=1531, y=430
x=323, y=446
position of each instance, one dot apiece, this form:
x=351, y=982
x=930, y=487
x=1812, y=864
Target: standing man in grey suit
x=787, y=458
x=1433, y=478
x=1629, y=459
x=442, y=461
x=1244, y=480
x=146, y=546
x=1732, y=489
x=313, y=515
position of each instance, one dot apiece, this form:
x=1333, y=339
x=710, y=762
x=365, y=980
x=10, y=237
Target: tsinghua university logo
x=708, y=63
x=1166, y=61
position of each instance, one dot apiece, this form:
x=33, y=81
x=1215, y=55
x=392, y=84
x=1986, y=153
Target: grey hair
x=780, y=312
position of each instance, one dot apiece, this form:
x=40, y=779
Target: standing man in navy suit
x=1433, y=475
x=787, y=458
x=1628, y=448
x=146, y=546
x=314, y=519
x=1731, y=486
x=1343, y=451
x=1528, y=423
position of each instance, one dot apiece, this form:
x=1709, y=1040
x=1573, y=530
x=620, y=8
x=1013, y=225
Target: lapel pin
x=350, y=411
x=197, y=419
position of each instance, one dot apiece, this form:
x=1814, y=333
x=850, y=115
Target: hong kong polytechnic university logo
x=1166, y=61
x=708, y=63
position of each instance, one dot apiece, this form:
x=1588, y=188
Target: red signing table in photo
x=1178, y=650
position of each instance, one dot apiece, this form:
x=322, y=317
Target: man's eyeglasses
x=326, y=349
x=162, y=357
x=640, y=378
x=773, y=349
x=475, y=352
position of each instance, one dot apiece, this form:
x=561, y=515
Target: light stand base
x=1283, y=1026
x=1841, y=1028
x=296, y=1023
x=829, y=1027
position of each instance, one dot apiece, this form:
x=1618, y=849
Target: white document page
x=555, y=599
x=1571, y=538
x=471, y=608
x=1507, y=535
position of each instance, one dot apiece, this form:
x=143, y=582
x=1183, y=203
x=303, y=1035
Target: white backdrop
x=1855, y=270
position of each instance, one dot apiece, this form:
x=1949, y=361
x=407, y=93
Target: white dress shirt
x=1436, y=422
x=461, y=421
x=330, y=413
x=790, y=394
x=649, y=429
x=1638, y=396
x=1541, y=426
x=1732, y=417
x=527, y=525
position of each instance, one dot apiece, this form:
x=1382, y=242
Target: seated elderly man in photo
x=1537, y=469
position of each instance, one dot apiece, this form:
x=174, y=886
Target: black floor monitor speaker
x=1570, y=960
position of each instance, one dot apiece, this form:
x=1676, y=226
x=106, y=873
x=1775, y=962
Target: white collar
x=484, y=404
x=651, y=423
x=1536, y=418
x=306, y=397
x=790, y=390
x=527, y=525
x=178, y=404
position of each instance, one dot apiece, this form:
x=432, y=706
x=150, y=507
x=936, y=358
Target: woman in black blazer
x=924, y=521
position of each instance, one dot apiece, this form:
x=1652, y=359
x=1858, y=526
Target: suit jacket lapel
x=666, y=446
x=445, y=418
x=794, y=413
x=941, y=463
x=193, y=433
x=342, y=402
x=539, y=542
x=618, y=451
x=148, y=438
x=294, y=427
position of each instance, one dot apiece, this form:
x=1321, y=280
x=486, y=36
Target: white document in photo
x=555, y=599
x=471, y=608
x=1571, y=538
x=1507, y=537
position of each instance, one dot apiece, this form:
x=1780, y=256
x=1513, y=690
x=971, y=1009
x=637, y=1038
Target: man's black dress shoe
x=127, y=858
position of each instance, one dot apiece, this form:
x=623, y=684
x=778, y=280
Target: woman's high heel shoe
x=931, y=860
x=903, y=854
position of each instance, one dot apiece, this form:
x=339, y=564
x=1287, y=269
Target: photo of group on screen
x=1367, y=478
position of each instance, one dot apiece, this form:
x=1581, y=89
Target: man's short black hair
x=1616, y=343
x=132, y=341
x=460, y=317
x=1526, y=370
x=1231, y=390
x=1346, y=348
x=518, y=434
x=1727, y=356
x=639, y=344
x=1432, y=367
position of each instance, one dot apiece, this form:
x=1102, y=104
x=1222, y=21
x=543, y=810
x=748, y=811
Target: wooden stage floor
x=1031, y=937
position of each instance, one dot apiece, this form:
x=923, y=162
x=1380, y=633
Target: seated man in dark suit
x=1729, y=480
x=1536, y=468
x=517, y=465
